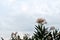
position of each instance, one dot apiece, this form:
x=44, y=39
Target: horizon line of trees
x=40, y=33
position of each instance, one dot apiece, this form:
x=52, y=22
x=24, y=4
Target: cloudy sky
x=21, y=15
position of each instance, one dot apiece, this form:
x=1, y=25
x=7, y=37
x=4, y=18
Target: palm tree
x=58, y=36
x=41, y=31
x=13, y=36
x=2, y=38
x=32, y=38
x=55, y=34
x=18, y=37
x=26, y=37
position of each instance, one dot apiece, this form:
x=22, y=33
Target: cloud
x=24, y=9
x=20, y=15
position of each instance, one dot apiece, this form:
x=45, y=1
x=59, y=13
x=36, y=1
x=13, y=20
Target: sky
x=21, y=15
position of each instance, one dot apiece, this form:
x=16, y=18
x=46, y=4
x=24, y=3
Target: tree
x=55, y=34
x=13, y=36
x=18, y=37
x=41, y=31
x=2, y=38
x=26, y=37
x=32, y=38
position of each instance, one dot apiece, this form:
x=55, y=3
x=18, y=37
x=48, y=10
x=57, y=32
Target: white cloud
x=34, y=10
x=20, y=15
x=8, y=2
x=11, y=2
x=24, y=8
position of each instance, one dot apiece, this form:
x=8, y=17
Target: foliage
x=40, y=33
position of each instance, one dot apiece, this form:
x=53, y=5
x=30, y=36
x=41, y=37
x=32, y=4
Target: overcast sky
x=21, y=15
